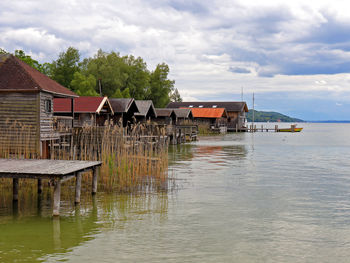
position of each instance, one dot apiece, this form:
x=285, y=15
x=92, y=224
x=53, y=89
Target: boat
x=290, y=130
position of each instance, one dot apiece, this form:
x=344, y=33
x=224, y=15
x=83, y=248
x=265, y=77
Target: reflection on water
x=263, y=197
x=31, y=234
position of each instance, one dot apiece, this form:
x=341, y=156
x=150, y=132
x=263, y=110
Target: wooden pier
x=255, y=128
x=179, y=134
x=57, y=171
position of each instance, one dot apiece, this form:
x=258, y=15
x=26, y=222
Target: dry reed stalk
x=133, y=159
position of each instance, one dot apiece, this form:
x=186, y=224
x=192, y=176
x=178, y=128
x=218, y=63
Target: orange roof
x=208, y=112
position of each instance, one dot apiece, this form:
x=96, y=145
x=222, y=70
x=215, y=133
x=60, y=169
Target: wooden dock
x=56, y=171
x=179, y=134
x=255, y=128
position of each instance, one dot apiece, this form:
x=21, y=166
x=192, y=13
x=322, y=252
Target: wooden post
x=77, y=187
x=180, y=136
x=72, y=111
x=56, y=224
x=40, y=186
x=292, y=128
x=15, y=189
x=57, y=198
x=262, y=127
x=276, y=128
x=94, y=180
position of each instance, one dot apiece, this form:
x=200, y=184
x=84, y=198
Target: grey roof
x=121, y=105
x=144, y=106
x=164, y=112
x=183, y=113
x=236, y=106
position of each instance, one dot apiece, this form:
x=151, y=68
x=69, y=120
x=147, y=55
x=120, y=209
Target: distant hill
x=265, y=116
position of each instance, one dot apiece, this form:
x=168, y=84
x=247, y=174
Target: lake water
x=263, y=197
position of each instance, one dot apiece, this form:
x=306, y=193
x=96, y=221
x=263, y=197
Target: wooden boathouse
x=26, y=108
x=236, y=111
x=90, y=111
x=124, y=110
x=165, y=116
x=213, y=117
x=146, y=111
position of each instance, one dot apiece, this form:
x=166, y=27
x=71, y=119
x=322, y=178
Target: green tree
x=117, y=94
x=138, y=77
x=126, y=93
x=84, y=86
x=29, y=60
x=106, y=67
x=160, y=86
x=175, y=96
x=3, y=51
x=62, y=70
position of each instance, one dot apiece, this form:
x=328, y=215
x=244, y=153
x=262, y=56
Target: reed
x=204, y=129
x=133, y=159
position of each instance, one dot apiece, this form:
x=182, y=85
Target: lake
x=262, y=197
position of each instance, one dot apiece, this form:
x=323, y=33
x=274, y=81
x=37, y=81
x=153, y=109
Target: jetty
x=57, y=171
x=254, y=128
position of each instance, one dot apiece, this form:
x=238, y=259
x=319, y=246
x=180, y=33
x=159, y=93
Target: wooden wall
x=236, y=119
x=46, y=117
x=19, y=118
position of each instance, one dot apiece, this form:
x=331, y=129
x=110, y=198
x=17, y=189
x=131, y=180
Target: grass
x=134, y=159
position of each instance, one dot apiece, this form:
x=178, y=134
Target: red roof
x=81, y=104
x=208, y=112
x=15, y=75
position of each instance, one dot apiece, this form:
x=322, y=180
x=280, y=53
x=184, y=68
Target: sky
x=293, y=55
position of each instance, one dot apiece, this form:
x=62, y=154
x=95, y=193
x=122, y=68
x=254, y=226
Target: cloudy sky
x=294, y=55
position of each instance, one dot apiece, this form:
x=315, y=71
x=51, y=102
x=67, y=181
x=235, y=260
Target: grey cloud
x=195, y=7
x=239, y=70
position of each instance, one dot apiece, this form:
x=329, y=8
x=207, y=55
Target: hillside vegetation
x=265, y=116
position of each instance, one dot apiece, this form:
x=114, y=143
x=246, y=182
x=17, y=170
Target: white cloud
x=212, y=47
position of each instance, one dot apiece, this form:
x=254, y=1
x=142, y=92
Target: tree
x=121, y=94
x=107, y=67
x=84, y=86
x=63, y=69
x=29, y=60
x=160, y=86
x=3, y=51
x=138, y=77
x=126, y=93
x=175, y=96
x=117, y=94
x=116, y=72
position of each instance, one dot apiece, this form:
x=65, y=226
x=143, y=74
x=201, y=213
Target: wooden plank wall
x=18, y=122
x=46, y=117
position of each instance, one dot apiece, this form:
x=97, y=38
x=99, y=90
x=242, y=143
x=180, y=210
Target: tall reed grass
x=133, y=158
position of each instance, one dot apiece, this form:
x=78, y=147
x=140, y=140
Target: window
x=47, y=105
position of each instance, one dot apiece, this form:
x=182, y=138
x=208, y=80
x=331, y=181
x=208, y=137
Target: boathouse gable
x=124, y=110
x=165, y=116
x=183, y=116
x=146, y=110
